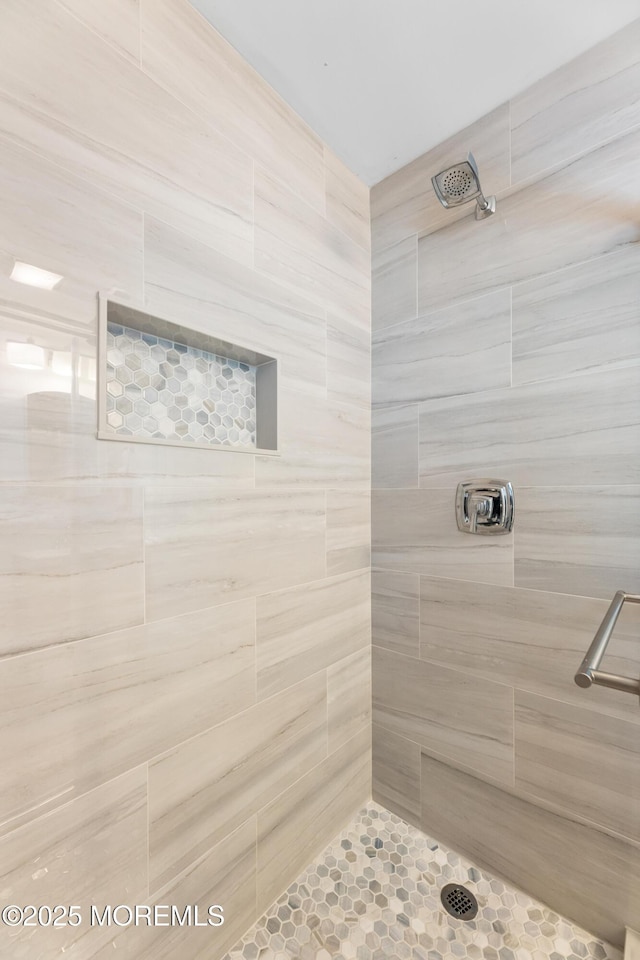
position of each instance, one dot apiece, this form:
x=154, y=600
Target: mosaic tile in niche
x=163, y=390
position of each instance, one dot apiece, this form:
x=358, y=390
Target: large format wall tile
x=118, y=128
x=118, y=22
x=394, y=281
x=414, y=531
x=349, y=697
x=582, y=540
x=582, y=211
x=347, y=200
x=182, y=52
x=556, y=433
x=72, y=563
x=93, y=850
x=394, y=445
x=396, y=774
x=405, y=204
x=75, y=715
x=205, y=547
x=348, y=530
x=526, y=638
x=461, y=349
x=590, y=877
x=580, y=760
x=583, y=103
x=577, y=320
x=205, y=788
x=304, y=818
x=307, y=628
x=348, y=363
x=457, y=716
x=395, y=611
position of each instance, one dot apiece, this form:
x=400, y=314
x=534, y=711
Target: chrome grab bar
x=588, y=672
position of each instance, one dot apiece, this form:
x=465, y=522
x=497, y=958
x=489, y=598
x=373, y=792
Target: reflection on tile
x=396, y=773
x=394, y=445
x=76, y=715
x=347, y=200
x=578, y=106
x=395, y=609
x=348, y=362
x=348, y=530
x=251, y=758
x=307, y=628
x=71, y=563
x=576, y=320
x=186, y=54
x=175, y=167
x=579, y=212
x=93, y=850
x=405, y=203
x=306, y=816
x=590, y=877
x=461, y=349
x=349, y=697
x=414, y=531
x=118, y=24
x=580, y=760
x=205, y=546
x=393, y=284
x=526, y=638
x=467, y=720
x=582, y=540
x=522, y=434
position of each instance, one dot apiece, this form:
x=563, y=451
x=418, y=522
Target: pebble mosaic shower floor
x=374, y=894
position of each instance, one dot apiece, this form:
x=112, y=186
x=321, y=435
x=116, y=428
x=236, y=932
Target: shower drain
x=459, y=901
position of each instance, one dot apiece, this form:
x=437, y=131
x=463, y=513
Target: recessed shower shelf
x=164, y=383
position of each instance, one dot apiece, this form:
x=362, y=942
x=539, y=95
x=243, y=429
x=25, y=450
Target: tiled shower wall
x=510, y=348
x=185, y=637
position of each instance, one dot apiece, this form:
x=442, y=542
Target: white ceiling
x=382, y=81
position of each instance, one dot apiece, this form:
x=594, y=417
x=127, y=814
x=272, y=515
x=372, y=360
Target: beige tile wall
x=519, y=359
x=185, y=643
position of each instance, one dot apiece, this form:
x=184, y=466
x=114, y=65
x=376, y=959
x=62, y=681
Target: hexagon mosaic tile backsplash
x=375, y=895
x=162, y=390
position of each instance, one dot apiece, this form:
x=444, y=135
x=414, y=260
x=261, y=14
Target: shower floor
x=374, y=895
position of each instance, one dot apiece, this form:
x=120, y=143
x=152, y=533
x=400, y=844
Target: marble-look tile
x=72, y=564
x=63, y=224
x=396, y=773
x=583, y=103
x=394, y=445
x=207, y=546
x=394, y=282
x=91, y=851
x=553, y=433
x=395, y=611
x=349, y=697
x=459, y=717
x=250, y=759
x=128, y=137
x=305, y=817
x=526, y=638
x=465, y=348
x=581, y=540
x=589, y=876
x=348, y=530
x=118, y=23
x=225, y=876
x=298, y=246
x=348, y=362
x=580, y=319
x=78, y=714
x=405, y=203
x=580, y=760
x=580, y=212
x=347, y=200
x=414, y=531
x=306, y=629
x=184, y=53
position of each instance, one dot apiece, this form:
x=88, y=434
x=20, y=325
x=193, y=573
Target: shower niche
x=161, y=382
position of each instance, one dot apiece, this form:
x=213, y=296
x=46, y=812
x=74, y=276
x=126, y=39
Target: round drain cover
x=459, y=901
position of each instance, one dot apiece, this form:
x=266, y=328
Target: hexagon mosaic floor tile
x=162, y=390
x=375, y=895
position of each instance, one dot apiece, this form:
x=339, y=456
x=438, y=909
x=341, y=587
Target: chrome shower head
x=461, y=183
